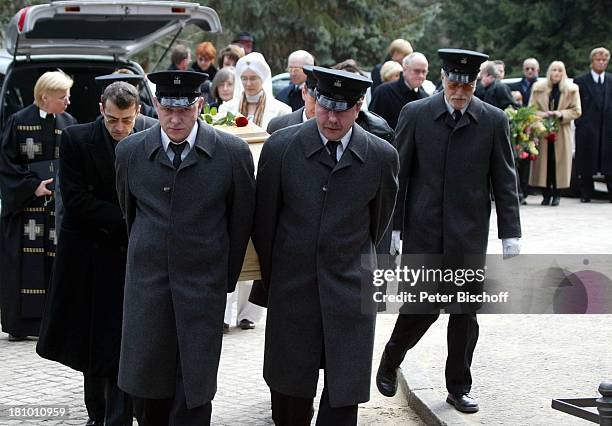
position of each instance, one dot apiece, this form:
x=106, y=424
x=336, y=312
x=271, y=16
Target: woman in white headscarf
x=253, y=96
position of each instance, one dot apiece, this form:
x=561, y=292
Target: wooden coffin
x=255, y=136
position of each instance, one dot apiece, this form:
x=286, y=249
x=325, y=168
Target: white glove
x=511, y=247
x=396, y=243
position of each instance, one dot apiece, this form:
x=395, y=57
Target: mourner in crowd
x=81, y=327
x=389, y=99
x=205, y=55
x=494, y=92
x=594, y=127
x=229, y=55
x=246, y=41
x=187, y=192
x=558, y=98
x=180, y=57
x=454, y=149
x=531, y=69
x=398, y=49
x=390, y=71
x=292, y=94
x=222, y=88
x=30, y=146
x=500, y=66
x=311, y=230
x=253, y=96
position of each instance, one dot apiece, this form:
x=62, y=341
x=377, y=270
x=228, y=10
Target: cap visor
x=461, y=78
x=182, y=102
x=333, y=104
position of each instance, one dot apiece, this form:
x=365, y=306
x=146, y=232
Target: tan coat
x=569, y=105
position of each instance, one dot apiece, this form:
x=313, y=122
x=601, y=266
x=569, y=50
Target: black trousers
x=105, y=402
x=462, y=335
x=294, y=411
x=551, y=173
x=523, y=177
x=171, y=411
x=587, y=188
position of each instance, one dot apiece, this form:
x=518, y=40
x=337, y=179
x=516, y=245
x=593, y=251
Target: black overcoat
x=594, y=127
x=447, y=174
x=286, y=120
x=499, y=95
x=390, y=97
x=188, y=232
x=25, y=265
x=81, y=326
x=313, y=222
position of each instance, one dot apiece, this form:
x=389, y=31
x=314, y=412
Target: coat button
x=324, y=188
x=166, y=189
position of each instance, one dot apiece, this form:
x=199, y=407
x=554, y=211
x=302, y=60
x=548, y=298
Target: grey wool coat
x=447, y=174
x=188, y=231
x=313, y=222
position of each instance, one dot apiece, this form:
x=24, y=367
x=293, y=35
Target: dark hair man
x=81, y=327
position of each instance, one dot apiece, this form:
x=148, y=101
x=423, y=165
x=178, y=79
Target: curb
x=427, y=402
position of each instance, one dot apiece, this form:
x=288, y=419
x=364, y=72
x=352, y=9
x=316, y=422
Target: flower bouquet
x=527, y=131
x=210, y=116
x=552, y=127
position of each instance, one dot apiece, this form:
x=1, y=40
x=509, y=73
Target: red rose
x=551, y=137
x=242, y=121
x=523, y=155
x=533, y=157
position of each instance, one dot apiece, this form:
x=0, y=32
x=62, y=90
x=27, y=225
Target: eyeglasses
x=124, y=120
x=252, y=79
x=455, y=85
x=290, y=69
x=529, y=68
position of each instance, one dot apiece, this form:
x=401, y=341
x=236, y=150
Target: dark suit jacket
x=188, y=231
x=524, y=87
x=594, y=127
x=81, y=326
x=292, y=96
x=285, y=120
x=313, y=223
x=390, y=97
x=498, y=94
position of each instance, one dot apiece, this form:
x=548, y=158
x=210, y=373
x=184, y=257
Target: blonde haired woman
x=555, y=97
x=27, y=226
x=253, y=96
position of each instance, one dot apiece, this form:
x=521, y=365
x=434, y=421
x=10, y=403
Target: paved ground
x=242, y=397
x=521, y=361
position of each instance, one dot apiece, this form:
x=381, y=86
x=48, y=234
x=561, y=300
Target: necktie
x=332, y=147
x=599, y=80
x=457, y=115
x=178, y=150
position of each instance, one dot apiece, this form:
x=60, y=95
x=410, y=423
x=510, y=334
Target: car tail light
x=72, y=9
x=178, y=10
x=22, y=17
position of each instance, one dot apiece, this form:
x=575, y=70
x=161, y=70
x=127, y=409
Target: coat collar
x=310, y=140
x=206, y=141
x=438, y=109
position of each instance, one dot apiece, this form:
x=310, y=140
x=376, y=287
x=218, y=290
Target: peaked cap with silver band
x=177, y=89
x=339, y=90
x=461, y=65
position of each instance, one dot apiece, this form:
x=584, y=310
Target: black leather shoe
x=545, y=201
x=245, y=324
x=462, y=402
x=14, y=338
x=585, y=200
x=92, y=422
x=555, y=201
x=386, y=376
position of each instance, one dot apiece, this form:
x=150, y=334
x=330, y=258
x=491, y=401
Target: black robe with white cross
x=27, y=222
